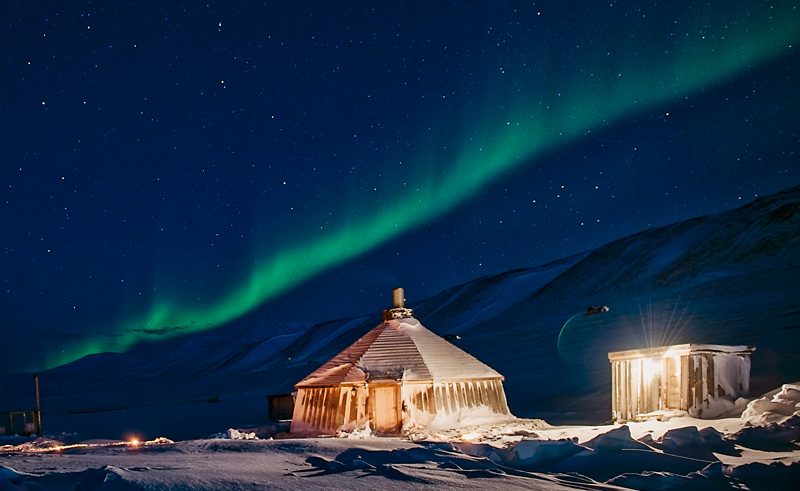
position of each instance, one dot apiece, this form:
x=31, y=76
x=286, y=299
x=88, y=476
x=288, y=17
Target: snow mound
x=616, y=439
x=9, y=478
x=775, y=407
x=105, y=477
x=161, y=440
x=539, y=454
x=357, y=433
x=566, y=456
x=37, y=445
x=500, y=432
x=700, y=480
x=772, y=422
x=234, y=434
x=758, y=475
x=772, y=437
x=696, y=444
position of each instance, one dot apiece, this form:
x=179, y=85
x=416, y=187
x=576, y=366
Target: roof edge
x=679, y=350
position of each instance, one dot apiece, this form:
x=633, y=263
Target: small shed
x=20, y=423
x=280, y=406
x=701, y=379
x=398, y=376
x=23, y=422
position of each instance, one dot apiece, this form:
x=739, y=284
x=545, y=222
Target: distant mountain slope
x=725, y=278
x=729, y=278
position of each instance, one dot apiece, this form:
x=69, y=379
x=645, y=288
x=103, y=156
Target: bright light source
x=134, y=442
x=648, y=370
x=651, y=369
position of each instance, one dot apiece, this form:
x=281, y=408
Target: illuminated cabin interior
x=398, y=376
x=702, y=379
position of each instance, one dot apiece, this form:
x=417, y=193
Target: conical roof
x=399, y=349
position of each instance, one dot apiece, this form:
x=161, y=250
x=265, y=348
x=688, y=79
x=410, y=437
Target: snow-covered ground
x=755, y=451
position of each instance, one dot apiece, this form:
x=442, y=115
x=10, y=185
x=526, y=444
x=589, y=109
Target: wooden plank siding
x=678, y=378
x=384, y=408
x=328, y=410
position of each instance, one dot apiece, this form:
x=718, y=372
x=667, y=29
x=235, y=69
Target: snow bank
x=508, y=430
x=616, y=439
x=566, y=456
x=539, y=454
x=774, y=407
x=11, y=479
x=764, y=476
x=772, y=422
x=105, y=477
x=697, y=444
x=161, y=440
x=36, y=445
x=357, y=433
x=772, y=437
x=701, y=480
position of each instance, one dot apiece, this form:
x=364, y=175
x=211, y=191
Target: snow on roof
x=399, y=349
x=679, y=349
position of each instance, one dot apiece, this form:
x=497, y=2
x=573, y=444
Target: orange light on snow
x=471, y=437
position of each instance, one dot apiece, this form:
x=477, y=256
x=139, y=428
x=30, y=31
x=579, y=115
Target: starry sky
x=172, y=167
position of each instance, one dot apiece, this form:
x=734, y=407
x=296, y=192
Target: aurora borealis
x=173, y=169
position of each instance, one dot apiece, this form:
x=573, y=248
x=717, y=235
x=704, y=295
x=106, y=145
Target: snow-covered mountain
x=729, y=278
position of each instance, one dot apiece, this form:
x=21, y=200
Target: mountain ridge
x=724, y=278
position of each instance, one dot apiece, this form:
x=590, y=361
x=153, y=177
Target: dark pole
x=38, y=421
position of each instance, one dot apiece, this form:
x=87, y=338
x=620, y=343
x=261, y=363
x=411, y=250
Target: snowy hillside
x=729, y=278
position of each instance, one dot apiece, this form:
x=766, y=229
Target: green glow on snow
x=536, y=120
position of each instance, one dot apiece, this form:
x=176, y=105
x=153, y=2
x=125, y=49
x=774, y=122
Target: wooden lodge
x=701, y=379
x=397, y=377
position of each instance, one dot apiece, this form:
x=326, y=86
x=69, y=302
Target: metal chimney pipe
x=398, y=298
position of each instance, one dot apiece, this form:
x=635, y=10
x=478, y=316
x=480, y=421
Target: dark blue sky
x=170, y=167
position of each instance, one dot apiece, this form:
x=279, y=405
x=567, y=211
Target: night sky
x=171, y=167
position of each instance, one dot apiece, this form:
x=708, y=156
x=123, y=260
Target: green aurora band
x=536, y=120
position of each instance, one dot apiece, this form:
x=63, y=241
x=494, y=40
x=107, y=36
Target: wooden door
x=384, y=402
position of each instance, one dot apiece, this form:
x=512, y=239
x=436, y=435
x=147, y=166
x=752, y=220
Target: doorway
x=384, y=402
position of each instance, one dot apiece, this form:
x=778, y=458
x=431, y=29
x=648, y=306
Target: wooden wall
x=455, y=396
x=644, y=385
x=327, y=410
x=687, y=383
x=425, y=402
x=391, y=406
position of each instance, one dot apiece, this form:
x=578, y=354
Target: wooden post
x=38, y=417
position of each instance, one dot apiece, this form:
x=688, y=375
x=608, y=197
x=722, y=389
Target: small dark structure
x=280, y=406
x=23, y=423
